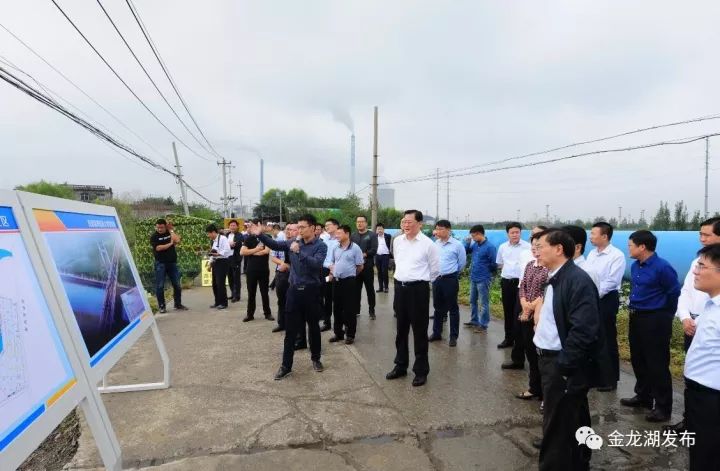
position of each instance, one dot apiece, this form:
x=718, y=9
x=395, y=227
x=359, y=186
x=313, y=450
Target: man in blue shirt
x=346, y=262
x=483, y=267
x=306, y=254
x=331, y=226
x=446, y=286
x=653, y=300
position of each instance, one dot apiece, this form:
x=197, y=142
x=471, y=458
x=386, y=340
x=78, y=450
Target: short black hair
x=714, y=222
x=711, y=252
x=233, y=221
x=513, y=225
x=555, y=236
x=161, y=221
x=477, y=228
x=211, y=228
x=308, y=218
x=536, y=236
x=345, y=228
x=646, y=238
x=379, y=225
x=605, y=229
x=361, y=216
x=332, y=220
x=416, y=213
x=255, y=221
x=541, y=227
x=317, y=224
x=578, y=234
x=443, y=223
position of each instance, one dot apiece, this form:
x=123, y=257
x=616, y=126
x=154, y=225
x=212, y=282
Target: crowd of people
x=559, y=308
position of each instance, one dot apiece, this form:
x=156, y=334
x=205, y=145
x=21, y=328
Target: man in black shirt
x=163, y=242
x=368, y=243
x=234, y=273
x=257, y=273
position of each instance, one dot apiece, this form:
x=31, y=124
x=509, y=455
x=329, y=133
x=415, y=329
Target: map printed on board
x=34, y=369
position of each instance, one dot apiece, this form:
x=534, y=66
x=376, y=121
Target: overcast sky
x=458, y=84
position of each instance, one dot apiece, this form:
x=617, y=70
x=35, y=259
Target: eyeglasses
x=302, y=227
x=701, y=266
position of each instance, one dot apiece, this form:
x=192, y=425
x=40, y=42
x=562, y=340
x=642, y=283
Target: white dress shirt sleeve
x=615, y=272
x=686, y=294
x=433, y=261
x=224, y=248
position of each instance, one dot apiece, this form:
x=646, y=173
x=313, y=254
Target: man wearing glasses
x=307, y=254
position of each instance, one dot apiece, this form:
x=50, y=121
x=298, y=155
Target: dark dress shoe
x=325, y=328
x=511, y=365
x=213, y=306
x=180, y=307
x=335, y=338
x=432, y=316
x=419, y=380
x=434, y=338
x=469, y=324
x=636, y=401
x=300, y=346
x=282, y=373
x=269, y=318
x=234, y=300
x=537, y=443
x=221, y=307
x=349, y=341
x=396, y=373
x=162, y=310
x=452, y=342
x=248, y=318
x=505, y=344
x=278, y=329
x=372, y=316
x=317, y=366
x=386, y=290
x=677, y=428
x=378, y=291
x=609, y=388
x=656, y=415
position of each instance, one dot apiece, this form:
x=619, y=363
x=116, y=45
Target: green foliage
x=127, y=219
x=680, y=217
x=59, y=190
x=202, y=211
x=662, y=221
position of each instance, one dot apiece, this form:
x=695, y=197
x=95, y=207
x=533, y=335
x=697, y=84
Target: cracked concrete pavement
x=224, y=411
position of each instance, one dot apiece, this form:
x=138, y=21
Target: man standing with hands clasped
x=417, y=264
x=307, y=254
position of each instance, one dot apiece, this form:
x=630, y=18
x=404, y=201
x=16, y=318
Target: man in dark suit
x=382, y=257
x=570, y=343
x=235, y=238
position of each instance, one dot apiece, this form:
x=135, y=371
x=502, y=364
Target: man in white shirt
x=235, y=240
x=609, y=264
x=382, y=258
x=702, y=366
x=692, y=301
x=508, y=261
x=417, y=264
x=219, y=253
x=579, y=235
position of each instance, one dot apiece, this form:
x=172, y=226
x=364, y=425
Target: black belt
x=406, y=284
x=449, y=275
x=346, y=278
x=647, y=311
x=302, y=287
x=547, y=353
x=690, y=384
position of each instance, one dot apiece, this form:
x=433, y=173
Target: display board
x=34, y=367
x=92, y=271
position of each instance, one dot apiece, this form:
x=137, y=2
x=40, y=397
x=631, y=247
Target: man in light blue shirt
x=446, y=286
x=330, y=240
x=702, y=366
x=346, y=262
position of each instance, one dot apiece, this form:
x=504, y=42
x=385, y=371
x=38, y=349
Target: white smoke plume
x=343, y=117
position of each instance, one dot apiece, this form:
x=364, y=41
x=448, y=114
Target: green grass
x=677, y=351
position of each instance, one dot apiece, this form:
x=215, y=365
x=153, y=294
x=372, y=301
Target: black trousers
x=509, y=290
x=609, y=305
x=366, y=278
x=563, y=414
x=528, y=333
x=649, y=335
x=519, y=349
x=327, y=299
x=383, y=266
x=702, y=405
x=220, y=267
x=235, y=278
x=412, y=305
x=282, y=283
x=301, y=307
x=345, y=307
x=253, y=279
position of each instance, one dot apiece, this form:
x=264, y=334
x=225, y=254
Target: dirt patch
x=57, y=449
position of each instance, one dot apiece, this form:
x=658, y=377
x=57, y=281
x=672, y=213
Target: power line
x=77, y=87
x=156, y=52
x=580, y=143
x=125, y=83
x=680, y=141
x=43, y=98
x=147, y=74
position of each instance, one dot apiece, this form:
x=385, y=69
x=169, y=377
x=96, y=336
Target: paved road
x=224, y=411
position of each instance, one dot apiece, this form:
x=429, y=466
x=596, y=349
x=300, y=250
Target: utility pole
x=374, y=203
x=518, y=216
x=547, y=212
x=231, y=200
x=224, y=164
x=242, y=210
x=183, y=193
x=448, y=196
x=280, y=196
x=437, y=194
x=707, y=168
x=619, y=215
